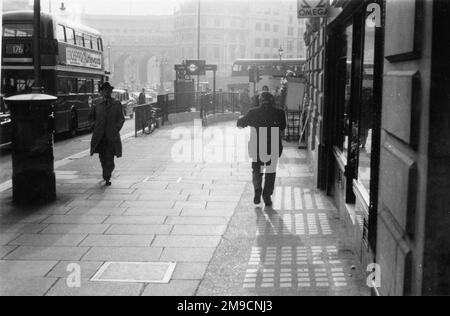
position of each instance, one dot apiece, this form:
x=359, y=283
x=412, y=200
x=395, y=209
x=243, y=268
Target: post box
x=32, y=127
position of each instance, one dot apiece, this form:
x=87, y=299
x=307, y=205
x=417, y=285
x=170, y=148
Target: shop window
x=344, y=145
x=367, y=108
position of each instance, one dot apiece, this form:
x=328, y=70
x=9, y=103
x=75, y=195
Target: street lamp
x=162, y=62
x=280, y=52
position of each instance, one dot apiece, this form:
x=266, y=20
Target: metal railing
x=220, y=103
x=206, y=104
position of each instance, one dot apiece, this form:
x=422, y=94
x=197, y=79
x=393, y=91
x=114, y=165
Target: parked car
x=128, y=102
x=5, y=125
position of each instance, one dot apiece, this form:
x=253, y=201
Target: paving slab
x=117, y=241
x=174, y=241
x=152, y=212
x=47, y=253
x=25, y=286
x=197, y=220
x=123, y=254
x=75, y=229
x=87, y=269
x=136, y=220
x=174, y=288
x=139, y=230
x=196, y=230
x=48, y=240
x=187, y=254
x=89, y=288
x=6, y=238
x=190, y=271
x=25, y=269
x=73, y=219
x=89, y=211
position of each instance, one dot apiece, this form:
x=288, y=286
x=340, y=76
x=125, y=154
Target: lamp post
x=37, y=87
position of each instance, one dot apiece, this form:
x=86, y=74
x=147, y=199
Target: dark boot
x=257, y=184
x=269, y=187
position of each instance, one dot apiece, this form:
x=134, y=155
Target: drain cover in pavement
x=135, y=272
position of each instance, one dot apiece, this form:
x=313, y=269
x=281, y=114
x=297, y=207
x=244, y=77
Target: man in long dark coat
x=266, y=121
x=108, y=120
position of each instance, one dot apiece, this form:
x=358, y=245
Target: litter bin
x=32, y=148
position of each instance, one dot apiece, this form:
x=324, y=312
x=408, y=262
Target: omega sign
x=81, y=58
x=312, y=9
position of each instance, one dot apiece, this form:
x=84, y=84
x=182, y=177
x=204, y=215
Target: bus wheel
x=73, y=126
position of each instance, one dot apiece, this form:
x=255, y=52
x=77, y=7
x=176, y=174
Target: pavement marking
x=8, y=184
x=135, y=272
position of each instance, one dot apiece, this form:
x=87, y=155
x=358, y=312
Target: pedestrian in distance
x=108, y=120
x=266, y=121
x=142, y=98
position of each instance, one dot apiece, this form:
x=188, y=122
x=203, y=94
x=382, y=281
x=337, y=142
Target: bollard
x=32, y=148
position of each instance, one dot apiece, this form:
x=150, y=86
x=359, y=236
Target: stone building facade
x=379, y=135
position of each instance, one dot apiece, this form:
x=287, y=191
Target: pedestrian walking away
x=265, y=117
x=108, y=120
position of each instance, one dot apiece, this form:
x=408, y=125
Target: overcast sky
x=117, y=7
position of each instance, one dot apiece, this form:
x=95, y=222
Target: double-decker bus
x=272, y=71
x=72, y=65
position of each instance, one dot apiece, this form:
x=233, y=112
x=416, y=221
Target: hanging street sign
x=308, y=9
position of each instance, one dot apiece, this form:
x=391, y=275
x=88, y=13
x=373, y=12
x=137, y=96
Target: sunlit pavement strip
x=295, y=224
x=285, y=262
x=298, y=199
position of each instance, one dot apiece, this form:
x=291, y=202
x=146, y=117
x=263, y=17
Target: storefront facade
x=371, y=138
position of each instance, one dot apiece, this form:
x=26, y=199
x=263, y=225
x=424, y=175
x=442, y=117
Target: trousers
x=269, y=184
x=106, y=154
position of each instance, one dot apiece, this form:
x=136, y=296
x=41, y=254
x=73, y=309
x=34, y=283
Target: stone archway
x=118, y=75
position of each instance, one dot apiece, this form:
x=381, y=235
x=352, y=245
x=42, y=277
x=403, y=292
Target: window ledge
x=340, y=158
x=362, y=194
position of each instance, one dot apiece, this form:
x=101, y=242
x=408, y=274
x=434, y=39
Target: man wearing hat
x=267, y=123
x=108, y=119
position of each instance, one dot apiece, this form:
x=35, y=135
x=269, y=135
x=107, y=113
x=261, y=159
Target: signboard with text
x=308, y=9
x=82, y=58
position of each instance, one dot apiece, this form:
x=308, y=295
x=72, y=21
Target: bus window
x=61, y=33
x=18, y=30
x=79, y=39
x=100, y=44
x=70, y=34
x=90, y=86
x=90, y=41
x=97, y=84
x=67, y=85
x=81, y=85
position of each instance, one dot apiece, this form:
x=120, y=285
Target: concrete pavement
x=198, y=215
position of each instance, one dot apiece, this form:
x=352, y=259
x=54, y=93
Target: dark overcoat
x=108, y=119
x=264, y=116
